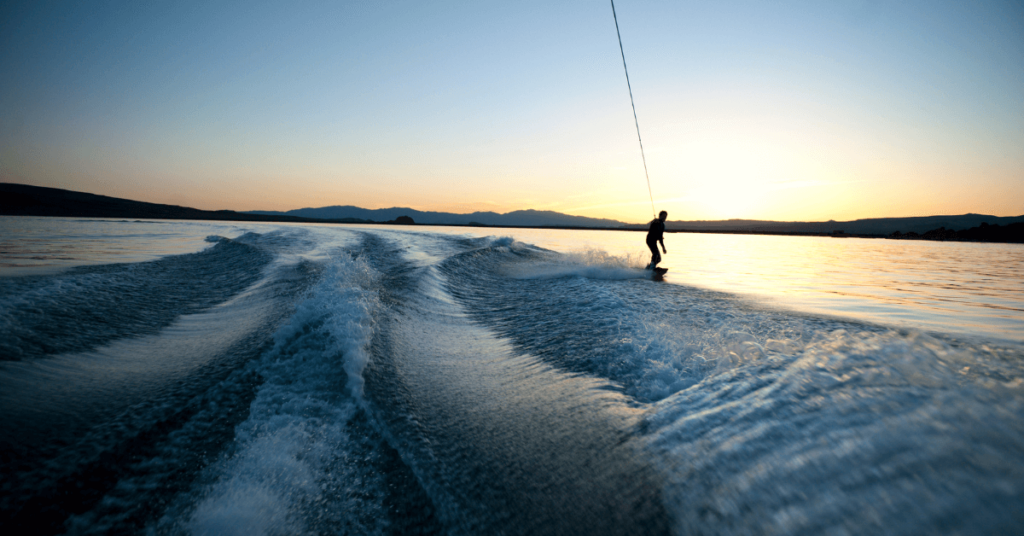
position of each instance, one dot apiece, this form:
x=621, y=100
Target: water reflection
x=949, y=287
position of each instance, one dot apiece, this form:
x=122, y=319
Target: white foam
x=267, y=478
x=812, y=434
x=589, y=264
x=502, y=241
x=285, y=454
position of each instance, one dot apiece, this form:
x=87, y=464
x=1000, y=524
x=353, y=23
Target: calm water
x=223, y=378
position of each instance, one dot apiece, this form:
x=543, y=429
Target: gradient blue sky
x=772, y=110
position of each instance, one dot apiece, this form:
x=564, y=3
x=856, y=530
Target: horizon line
x=286, y=212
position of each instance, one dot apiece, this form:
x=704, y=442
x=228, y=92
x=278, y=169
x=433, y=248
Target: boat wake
x=383, y=382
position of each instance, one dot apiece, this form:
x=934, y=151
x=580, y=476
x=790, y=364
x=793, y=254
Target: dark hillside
x=24, y=200
x=1012, y=234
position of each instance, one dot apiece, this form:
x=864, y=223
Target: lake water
x=223, y=377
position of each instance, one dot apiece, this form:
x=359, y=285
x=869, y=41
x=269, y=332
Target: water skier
x=654, y=235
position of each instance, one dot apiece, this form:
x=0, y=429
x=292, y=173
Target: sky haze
x=782, y=110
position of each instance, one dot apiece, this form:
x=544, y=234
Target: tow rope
x=631, y=103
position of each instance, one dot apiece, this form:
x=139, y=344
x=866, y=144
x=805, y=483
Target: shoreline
x=943, y=237
x=45, y=202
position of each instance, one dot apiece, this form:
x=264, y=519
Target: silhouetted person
x=654, y=235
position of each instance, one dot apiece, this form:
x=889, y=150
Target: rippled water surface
x=946, y=286
x=237, y=378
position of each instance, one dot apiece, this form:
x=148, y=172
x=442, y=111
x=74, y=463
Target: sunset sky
x=769, y=110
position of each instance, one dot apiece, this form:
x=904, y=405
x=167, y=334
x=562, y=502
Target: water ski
x=659, y=271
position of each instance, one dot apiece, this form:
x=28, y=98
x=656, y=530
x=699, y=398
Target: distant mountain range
x=536, y=218
x=25, y=200
x=518, y=218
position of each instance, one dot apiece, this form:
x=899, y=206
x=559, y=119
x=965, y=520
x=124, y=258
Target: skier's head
x=662, y=215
